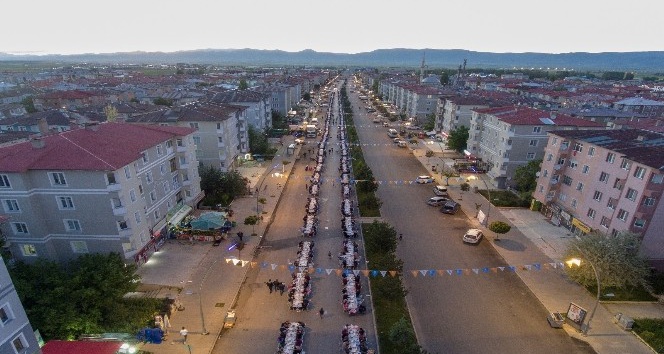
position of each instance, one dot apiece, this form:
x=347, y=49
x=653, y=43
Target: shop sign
x=581, y=226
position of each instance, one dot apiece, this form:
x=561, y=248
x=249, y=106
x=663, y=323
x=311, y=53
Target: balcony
x=125, y=232
x=182, y=148
x=186, y=182
x=169, y=151
x=557, y=167
x=114, y=187
x=119, y=210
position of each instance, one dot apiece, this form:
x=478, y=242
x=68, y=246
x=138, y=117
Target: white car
x=424, y=179
x=437, y=201
x=440, y=191
x=472, y=236
x=300, y=141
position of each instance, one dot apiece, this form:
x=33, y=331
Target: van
x=440, y=191
x=392, y=133
x=450, y=207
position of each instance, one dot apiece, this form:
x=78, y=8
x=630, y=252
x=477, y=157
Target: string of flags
x=393, y=273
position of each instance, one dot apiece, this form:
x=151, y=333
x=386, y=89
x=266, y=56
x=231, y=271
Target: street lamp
x=488, y=192
x=258, y=192
x=577, y=262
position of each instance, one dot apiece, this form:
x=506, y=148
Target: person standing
x=184, y=333
x=400, y=237
x=321, y=312
x=270, y=285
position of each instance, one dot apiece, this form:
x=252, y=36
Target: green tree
x=499, y=228
x=430, y=123
x=279, y=121
x=258, y=143
x=243, y=85
x=160, y=101
x=458, y=139
x=444, y=78
x=613, y=75
x=29, y=104
x=525, y=176
x=402, y=336
x=629, y=76
x=221, y=187
x=306, y=97
x=616, y=259
x=252, y=220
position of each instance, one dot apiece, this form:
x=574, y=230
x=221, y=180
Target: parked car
x=450, y=207
x=424, y=179
x=437, y=201
x=376, y=120
x=440, y=190
x=386, y=124
x=473, y=236
x=300, y=141
x=402, y=144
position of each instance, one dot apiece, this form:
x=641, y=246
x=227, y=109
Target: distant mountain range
x=435, y=58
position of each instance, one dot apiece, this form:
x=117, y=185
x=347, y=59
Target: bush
x=652, y=331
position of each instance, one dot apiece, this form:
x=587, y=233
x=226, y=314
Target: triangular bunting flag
x=365, y=272
x=512, y=268
x=537, y=266
x=476, y=271
x=383, y=272
x=374, y=273
x=414, y=273
x=501, y=269
x=274, y=266
x=338, y=271
x=553, y=264
x=449, y=271
x=561, y=264
x=319, y=270
x=393, y=273
x=264, y=265
x=423, y=272
x=282, y=267
x=494, y=269
x=236, y=261
x=244, y=263
x=440, y=272
x=254, y=264
x=228, y=260
x=485, y=270
x=329, y=271
x=459, y=272
x=356, y=272
x=431, y=272
x=527, y=267
x=291, y=268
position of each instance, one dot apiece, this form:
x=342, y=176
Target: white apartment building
x=16, y=334
x=107, y=187
x=504, y=138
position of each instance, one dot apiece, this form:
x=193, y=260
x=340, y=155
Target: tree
x=111, y=113
x=458, y=139
x=306, y=97
x=444, y=78
x=613, y=75
x=221, y=187
x=258, y=143
x=525, y=176
x=252, y=220
x=430, y=123
x=163, y=101
x=29, y=104
x=243, y=85
x=616, y=259
x=403, y=337
x=499, y=228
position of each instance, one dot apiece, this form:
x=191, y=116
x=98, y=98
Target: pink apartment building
x=607, y=181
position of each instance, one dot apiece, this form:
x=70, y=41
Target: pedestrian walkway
x=195, y=274
x=533, y=239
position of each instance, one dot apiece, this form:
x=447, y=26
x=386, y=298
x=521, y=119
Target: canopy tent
x=179, y=215
x=209, y=220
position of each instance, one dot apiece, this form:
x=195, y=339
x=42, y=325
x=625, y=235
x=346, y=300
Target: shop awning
x=180, y=214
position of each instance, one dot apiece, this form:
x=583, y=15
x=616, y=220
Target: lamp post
x=258, y=192
x=488, y=192
x=577, y=262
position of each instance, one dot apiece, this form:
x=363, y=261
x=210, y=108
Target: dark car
x=450, y=207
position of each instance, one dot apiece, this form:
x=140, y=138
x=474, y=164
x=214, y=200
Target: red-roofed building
x=104, y=188
x=80, y=347
x=505, y=138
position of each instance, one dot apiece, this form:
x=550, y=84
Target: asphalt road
x=262, y=313
x=485, y=313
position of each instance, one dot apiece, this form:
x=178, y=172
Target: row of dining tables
x=291, y=338
x=353, y=339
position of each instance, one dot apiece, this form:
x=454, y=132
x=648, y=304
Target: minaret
x=422, y=67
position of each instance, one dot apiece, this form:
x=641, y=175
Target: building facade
x=609, y=181
x=16, y=334
x=104, y=188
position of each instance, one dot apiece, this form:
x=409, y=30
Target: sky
x=338, y=26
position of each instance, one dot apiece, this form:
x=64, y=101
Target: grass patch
x=657, y=282
x=652, y=331
x=501, y=198
x=626, y=294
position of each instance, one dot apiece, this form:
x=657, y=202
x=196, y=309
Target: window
x=597, y=196
x=132, y=195
x=218, y=126
x=533, y=142
x=567, y=180
x=631, y=194
x=537, y=129
x=169, y=144
x=127, y=173
x=148, y=177
x=530, y=155
x=4, y=181
x=174, y=166
x=72, y=225
x=554, y=141
x=625, y=164
x=144, y=157
x=137, y=217
x=649, y=201
x=579, y=186
x=561, y=161
x=11, y=205
x=640, y=172
x=58, y=179
x=179, y=142
x=220, y=140
x=28, y=250
x=167, y=188
x=585, y=169
x=162, y=169
x=591, y=213
x=610, y=157
x=622, y=214
x=110, y=177
x=578, y=147
x=159, y=150
x=153, y=196
x=197, y=140
x=194, y=125
x=19, y=344
x=549, y=157
x=656, y=178
x=562, y=197
x=156, y=214
x=573, y=164
x=20, y=228
x=573, y=203
x=605, y=222
x=639, y=223
x=5, y=313
x=140, y=189
x=541, y=189
x=618, y=184
x=546, y=173
x=79, y=246
x=564, y=145
x=65, y=203
x=123, y=225
x=612, y=203
x=604, y=177
x=591, y=151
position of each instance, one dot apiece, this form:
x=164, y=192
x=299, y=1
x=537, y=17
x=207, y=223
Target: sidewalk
x=534, y=240
x=210, y=288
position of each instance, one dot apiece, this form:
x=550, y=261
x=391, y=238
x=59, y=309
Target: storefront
x=579, y=228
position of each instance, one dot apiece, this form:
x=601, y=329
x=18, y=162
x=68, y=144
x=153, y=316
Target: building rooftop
x=638, y=145
x=97, y=147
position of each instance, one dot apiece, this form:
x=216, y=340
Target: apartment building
x=608, y=181
x=504, y=138
x=457, y=111
x=107, y=187
x=259, y=112
x=16, y=334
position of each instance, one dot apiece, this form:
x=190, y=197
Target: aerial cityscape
x=177, y=179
